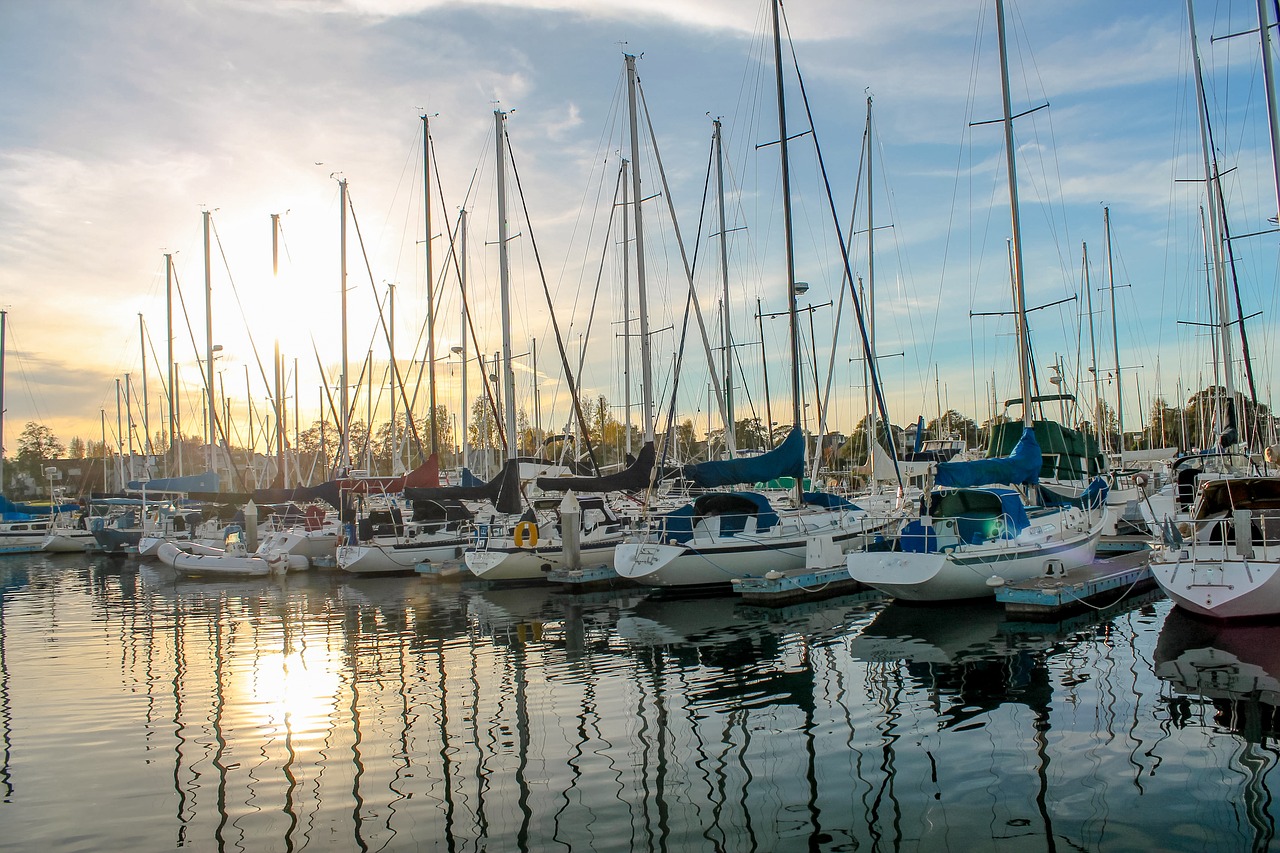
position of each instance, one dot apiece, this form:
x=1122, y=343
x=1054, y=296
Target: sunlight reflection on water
x=140, y=710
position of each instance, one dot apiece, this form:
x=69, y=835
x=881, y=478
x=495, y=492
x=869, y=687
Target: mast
x=397, y=461
x=431, y=301
x=504, y=275
x=1093, y=343
x=208, y=346
x=344, y=440
x=462, y=349
x=1215, y=224
x=174, y=438
x=626, y=308
x=870, y=297
x=764, y=365
x=277, y=364
x=1019, y=287
x=1115, y=335
x=788, y=237
x=3, y=319
x=146, y=403
x=730, y=437
x=646, y=369
x=1268, y=76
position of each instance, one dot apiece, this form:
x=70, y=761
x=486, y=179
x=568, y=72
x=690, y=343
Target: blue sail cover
x=1018, y=468
x=10, y=511
x=785, y=460
x=206, y=481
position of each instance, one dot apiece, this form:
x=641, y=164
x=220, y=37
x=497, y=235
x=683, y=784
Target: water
x=140, y=711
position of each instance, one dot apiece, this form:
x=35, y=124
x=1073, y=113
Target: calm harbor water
x=143, y=711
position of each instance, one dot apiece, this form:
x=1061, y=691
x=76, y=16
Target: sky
x=122, y=122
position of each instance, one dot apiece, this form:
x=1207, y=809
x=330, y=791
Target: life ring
x=526, y=534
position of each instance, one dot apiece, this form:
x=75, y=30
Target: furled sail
x=785, y=460
x=1018, y=468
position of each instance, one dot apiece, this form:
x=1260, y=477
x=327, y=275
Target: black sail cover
x=633, y=478
x=503, y=490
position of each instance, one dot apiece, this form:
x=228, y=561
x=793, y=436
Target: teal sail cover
x=785, y=460
x=1018, y=468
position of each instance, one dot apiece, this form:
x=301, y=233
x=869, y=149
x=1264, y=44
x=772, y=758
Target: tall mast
x=1215, y=224
x=1019, y=288
x=431, y=300
x=626, y=308
x=462, y=284
x=174, y=438
x=646, y=369
x=504, y=276
x=730, y=438
x=1115, y=335
x=397, y=460
x=764, y=365
x=145, y=447
x=344, y=440
x=1093, y=344
x=787, y=233
x=277, y=364
x=3, y=319
x=872, y=435
x=1268, y=76
x=208, y=346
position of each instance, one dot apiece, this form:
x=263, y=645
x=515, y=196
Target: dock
x=442, y=571
x=777, y=589
x=594, y=577
x=1100, y=583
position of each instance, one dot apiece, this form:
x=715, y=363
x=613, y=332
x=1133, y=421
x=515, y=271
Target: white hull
x=508, y=563
x=374, y=559
x=1218, y=582
x=975, y=571
x=69, y=542
x=711, y=559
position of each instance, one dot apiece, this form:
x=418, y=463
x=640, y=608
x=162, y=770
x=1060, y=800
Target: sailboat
x=977, y=530
x=720, y=537
x=1223, y=561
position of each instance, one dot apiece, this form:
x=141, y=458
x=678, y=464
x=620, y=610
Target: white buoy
x=995, y=581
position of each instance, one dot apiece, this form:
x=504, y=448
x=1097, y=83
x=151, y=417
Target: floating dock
x=785, y=589
x=594, y=577
x=1100, y=583
x=442, y=571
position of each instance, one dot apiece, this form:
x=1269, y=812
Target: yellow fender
x=526, y=534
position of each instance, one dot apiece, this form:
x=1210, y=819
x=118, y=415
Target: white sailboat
x=976, y=533
x=1223, y=561
x=724, y=536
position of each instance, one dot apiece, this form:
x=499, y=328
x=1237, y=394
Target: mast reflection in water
x=139, y=710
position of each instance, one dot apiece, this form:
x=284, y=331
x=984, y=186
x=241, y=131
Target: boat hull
x=395, y=559
x=1223, y=585
x=503, y=563
x=968, y=573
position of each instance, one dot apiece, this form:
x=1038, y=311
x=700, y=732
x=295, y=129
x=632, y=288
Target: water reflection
x=1226, y=678
x=326, y=711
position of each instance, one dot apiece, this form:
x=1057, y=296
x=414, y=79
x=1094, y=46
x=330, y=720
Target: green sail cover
x=1069, y=454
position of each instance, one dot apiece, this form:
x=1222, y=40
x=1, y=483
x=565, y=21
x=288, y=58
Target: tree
x=36, y=445
x=76, y=448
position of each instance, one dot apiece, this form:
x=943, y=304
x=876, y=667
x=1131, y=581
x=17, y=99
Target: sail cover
x=785, y=460
x=633, y=478
x=1018, y=468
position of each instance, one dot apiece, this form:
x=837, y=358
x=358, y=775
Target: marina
x=143, y=710
x=700, y=452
